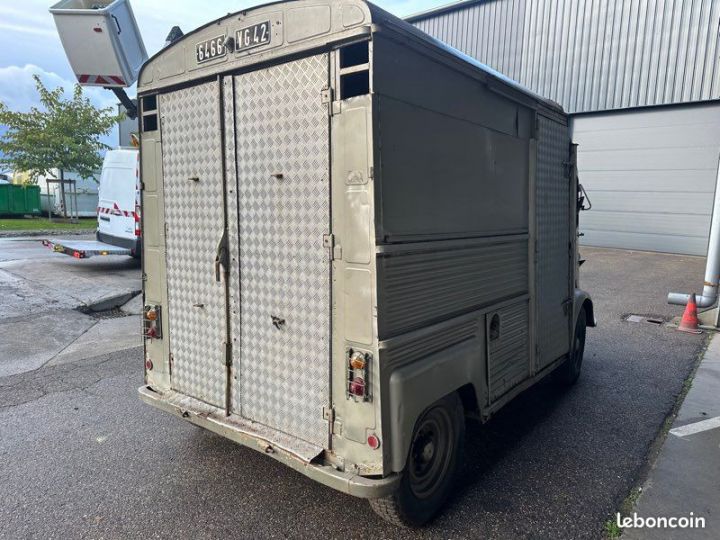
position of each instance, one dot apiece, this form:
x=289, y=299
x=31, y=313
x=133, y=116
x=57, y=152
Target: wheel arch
x=414, y=387
x=581, y=301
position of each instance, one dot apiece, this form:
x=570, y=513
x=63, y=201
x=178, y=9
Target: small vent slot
x=354, y=84
x=149, y=103
x=356, y=54
x=149, y=122
x=149, y=113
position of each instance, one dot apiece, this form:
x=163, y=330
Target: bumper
x=215, y=420
x=133, y=244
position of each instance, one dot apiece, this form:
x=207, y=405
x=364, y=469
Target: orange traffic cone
x=689, y=322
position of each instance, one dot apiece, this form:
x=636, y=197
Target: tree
x=64, y=134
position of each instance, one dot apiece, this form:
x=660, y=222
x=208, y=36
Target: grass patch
x=612, y=531
x=43, y=224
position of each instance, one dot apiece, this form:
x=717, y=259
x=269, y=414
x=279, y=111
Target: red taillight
x=78, y=254
x=373, y=441
x=148, y=364
x=97, y=29
x=357, y=386
x=152, y=325
x=136, y=215
x=357, y=374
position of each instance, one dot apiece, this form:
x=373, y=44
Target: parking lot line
x=696, y=427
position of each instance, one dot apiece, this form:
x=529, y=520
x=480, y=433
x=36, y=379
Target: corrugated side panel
x=596, y=55
x=194, y=218
x=434, y=340
x=282, y=128
x=552, y=262
x=421, y=288
x=508, y=363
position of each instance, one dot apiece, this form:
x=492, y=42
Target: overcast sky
x=29, y=43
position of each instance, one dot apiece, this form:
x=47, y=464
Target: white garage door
x=651, y=175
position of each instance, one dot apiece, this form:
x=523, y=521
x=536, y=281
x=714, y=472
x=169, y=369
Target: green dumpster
x=4, y=199
x=17, y=200
x=32, y=200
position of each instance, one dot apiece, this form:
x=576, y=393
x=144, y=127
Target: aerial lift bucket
x=101, y=40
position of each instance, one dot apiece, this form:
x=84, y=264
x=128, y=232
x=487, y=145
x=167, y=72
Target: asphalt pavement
x=684, y=481
x=82, y=457
x=48, y=311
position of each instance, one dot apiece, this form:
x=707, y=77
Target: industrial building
x=642, y=81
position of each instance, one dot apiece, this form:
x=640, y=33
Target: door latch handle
x=222, y=257
x=582, y=198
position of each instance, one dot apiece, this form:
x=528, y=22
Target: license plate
x=252, y=36
x=210, y=49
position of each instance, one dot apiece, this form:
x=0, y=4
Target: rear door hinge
x=334, y=251
x=326, y=95
x=334, y=427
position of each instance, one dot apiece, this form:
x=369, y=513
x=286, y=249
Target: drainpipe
x=712, y=267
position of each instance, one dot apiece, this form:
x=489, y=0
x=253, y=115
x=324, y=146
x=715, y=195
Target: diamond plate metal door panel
x=552, y=269
x=193, y=194
x=282, y=131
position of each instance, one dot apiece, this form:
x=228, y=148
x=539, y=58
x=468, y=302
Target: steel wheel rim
x=430, y=452
x=579, y=349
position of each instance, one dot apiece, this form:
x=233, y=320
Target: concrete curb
x=109, y=302
x=52, y=232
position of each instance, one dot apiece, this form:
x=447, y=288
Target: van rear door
x=117, y=205
x=259, y=346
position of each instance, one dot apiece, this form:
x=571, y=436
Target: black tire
x=435, y=457
x=569, y=372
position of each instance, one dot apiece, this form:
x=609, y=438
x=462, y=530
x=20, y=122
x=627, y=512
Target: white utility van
x=118, y=211
x=119, y=200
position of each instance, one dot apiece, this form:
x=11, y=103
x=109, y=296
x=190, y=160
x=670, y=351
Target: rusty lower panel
x=270, y=442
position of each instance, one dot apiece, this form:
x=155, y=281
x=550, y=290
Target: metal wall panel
x=282, y=132
x=552, y=265
x=417, y=289
x=508, y=363
x=591, y=55
x=650, y=175
x=193, y=214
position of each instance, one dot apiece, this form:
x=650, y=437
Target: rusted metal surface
x=248, y=434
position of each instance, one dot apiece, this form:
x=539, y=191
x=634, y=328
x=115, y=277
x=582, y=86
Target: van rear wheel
x=569, y=372
x=435, y=457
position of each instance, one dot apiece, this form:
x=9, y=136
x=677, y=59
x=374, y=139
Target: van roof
x=325, y=21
